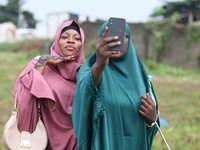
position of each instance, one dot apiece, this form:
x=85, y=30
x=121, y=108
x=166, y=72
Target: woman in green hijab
x=115, y=106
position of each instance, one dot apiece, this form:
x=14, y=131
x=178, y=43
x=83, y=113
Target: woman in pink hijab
x=51, y=80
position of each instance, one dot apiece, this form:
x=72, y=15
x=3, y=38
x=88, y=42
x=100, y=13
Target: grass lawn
x=178, y=94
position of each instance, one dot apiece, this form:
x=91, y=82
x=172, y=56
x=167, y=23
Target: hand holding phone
x=117, y=27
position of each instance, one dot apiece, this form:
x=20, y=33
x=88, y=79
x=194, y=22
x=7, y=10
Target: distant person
x=51, y=81
x=114, y=107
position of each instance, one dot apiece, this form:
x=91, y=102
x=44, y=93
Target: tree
x=11, y=12
x=30, y=21
x=189, y=10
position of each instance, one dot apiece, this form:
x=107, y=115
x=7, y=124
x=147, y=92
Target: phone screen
x=116, y=27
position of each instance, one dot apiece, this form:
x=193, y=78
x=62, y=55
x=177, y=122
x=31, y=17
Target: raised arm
x=102, y=54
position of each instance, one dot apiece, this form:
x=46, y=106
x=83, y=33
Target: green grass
x=179, y=103
x=178, y=93
x=177, y=90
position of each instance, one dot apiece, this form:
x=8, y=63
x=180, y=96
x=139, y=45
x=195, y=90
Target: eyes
x=126, y=36
x=67, y=37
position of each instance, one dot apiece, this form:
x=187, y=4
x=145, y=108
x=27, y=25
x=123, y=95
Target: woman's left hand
x=148, y=109
x=51, y=60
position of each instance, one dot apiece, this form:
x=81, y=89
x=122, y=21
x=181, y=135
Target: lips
x=70, y=47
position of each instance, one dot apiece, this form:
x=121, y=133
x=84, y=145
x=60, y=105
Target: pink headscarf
x=56, y=51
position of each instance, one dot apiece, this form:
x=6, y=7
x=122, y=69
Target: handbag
x=13, y=139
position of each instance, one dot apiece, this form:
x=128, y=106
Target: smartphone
x=117, y=27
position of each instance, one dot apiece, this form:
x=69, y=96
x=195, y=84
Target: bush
x=26, y=45
x=90, y=47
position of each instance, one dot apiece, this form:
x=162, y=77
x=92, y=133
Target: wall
x=7, y=32
x=175, y=52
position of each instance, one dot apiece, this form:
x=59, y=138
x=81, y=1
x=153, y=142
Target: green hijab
x=107, y=117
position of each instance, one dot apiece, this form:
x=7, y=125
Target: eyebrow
x=71, y=34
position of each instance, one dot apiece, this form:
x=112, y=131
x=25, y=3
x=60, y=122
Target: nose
x=70, y=40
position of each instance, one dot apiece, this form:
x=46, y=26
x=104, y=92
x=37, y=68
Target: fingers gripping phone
x=116, y=27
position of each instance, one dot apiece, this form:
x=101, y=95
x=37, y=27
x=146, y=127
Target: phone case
x=116, y=27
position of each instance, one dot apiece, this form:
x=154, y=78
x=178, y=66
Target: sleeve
x=151, y=132
x=84, y=111
x=150, y=89
x=27, y=109
x=28, y=87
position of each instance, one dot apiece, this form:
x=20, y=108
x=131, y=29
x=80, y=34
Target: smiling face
x=70, y=42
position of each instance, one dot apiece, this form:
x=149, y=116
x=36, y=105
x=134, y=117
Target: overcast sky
x=131, y=10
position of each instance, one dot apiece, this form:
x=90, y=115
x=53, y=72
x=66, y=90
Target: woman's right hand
x=53, y=60
x=103, y=53
x=103, y=46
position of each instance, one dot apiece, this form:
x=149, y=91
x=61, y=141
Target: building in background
x=47, y=29
x=8, y=32
x=55, y=19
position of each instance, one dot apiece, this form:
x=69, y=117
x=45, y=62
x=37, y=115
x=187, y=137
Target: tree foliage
x=31, y=22
x=12, y=11
x=189, y=10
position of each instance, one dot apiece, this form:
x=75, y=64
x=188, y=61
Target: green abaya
x=107, y=117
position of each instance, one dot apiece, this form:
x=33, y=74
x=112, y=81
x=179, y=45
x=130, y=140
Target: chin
x=120, y=54
x=69, y=53
x=116, y=56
